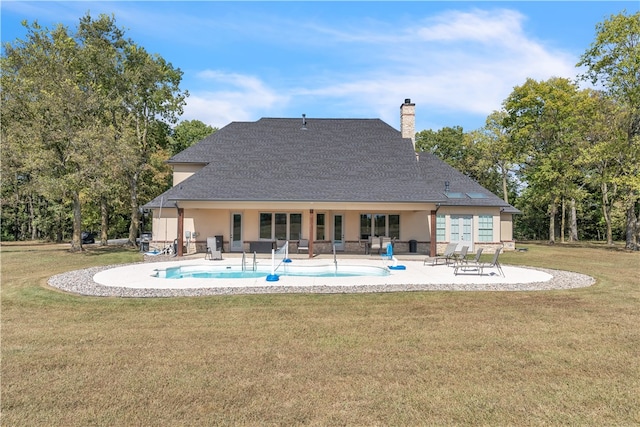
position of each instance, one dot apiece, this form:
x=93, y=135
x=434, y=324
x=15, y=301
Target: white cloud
x=238, y=98
x=465, y=62
x=480, y=25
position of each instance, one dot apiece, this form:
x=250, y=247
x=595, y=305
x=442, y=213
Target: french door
x=462, y=231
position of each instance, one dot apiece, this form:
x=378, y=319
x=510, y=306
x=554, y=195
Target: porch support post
x=180, y=230
x=311, y=220
x=434, y=247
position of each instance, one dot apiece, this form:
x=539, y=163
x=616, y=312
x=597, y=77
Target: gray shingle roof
x=462, y=190
x=341, y=160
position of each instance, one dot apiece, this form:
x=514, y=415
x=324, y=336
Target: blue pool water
x=232, y=272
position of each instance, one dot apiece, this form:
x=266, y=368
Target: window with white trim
x=320, y=227
x=280, y=226
x=485, y=228
x=441, y=228
x=379, y=225
x=394, y=226
x=295, y=226
x=365, y=226
x=266, y=226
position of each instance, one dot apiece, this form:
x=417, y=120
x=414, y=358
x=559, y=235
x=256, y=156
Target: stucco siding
x=184, y=171
x=414, y=225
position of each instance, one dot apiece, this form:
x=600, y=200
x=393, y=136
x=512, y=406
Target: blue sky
x=457, y=61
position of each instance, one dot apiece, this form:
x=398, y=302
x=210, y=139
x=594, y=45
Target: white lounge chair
x=364, y=244
x=447, y=257
x=462, y=262
x=375, y=244
x=213, y=251
x=480, y=266
x=303, y=244
x=462, y=255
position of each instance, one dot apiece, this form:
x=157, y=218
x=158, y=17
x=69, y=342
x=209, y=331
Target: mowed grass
x=419, y=358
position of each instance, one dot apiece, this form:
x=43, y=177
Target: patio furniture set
x=463, y=265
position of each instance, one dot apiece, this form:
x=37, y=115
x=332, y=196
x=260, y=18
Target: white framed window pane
x=380, y=225
x=485, y=228
x=295, y=226
x=281, y=226
x=394, y=226
x=265, y=225
x=455, y=228
x=441, y=223
x=320, y=226
x=365, y=226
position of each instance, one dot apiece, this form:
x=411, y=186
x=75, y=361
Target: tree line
x=89, y=118
x=568, y=158
x=86, y=121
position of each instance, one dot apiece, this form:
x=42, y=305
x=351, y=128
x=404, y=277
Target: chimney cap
x=407, y=101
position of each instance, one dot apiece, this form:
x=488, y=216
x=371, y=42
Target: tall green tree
x=103, y=52
x=603, y=154
x=188, y=132
x=496, y=152
x=46, y=72
x=20, y=197
x=471, y=153
x=150, y=94
x=446, y=143
x=613, y=60
x=542, y=120
x=83, y=112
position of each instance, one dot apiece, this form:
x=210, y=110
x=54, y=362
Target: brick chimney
x=408, y=121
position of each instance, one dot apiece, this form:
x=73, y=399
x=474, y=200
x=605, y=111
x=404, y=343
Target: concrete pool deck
x=136, y=280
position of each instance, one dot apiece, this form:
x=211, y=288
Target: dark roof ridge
x=314, y=118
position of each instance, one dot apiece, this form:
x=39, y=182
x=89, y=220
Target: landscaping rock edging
x=81, y=282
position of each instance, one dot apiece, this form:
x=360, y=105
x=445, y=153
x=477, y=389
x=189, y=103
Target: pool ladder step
x=244, y=262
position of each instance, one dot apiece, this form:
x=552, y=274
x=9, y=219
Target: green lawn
x=422, y=358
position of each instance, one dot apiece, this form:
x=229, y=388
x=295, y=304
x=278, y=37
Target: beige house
x=336, y=182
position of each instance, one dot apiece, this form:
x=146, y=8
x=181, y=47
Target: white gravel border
x=135, y=281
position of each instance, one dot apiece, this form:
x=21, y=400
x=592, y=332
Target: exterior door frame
x=236, y=244
x=464, y=227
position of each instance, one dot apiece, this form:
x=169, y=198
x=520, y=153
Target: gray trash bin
x=145, y=238
x=413, y=246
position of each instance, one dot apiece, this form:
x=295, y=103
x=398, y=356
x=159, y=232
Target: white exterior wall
x=210, y=222
x=182, y=172
x=506, y=231
x=415, y=226
x=165, y=227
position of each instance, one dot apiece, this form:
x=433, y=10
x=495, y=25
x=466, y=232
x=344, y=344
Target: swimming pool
x=236, y=272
